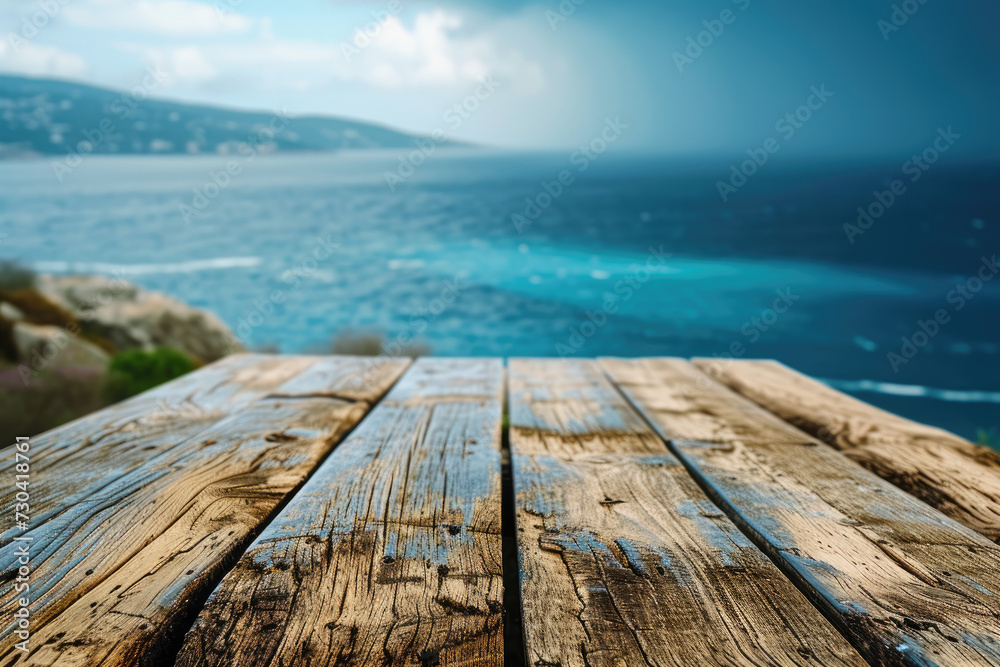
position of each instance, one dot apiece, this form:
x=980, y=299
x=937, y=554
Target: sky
x=683, y=76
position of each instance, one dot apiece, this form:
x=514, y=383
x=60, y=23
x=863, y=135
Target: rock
x=9, y=312
x=79, y=294
x=131, y=317
x=43, y=347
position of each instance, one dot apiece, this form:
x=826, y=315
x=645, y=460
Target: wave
x=126, y=270
x=915, y=390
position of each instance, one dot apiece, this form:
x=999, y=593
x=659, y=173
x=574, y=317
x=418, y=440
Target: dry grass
x=372, y=344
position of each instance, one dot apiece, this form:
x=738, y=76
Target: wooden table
x=274, y=510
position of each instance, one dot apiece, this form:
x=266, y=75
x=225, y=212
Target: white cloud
x=280, y=61
x=189, y=64
x=431, y=50
x=26, y=57
x=164, y=17
x=433, y=53
x=428, y=54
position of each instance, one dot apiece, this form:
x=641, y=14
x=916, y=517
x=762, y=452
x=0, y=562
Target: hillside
x=48, y=117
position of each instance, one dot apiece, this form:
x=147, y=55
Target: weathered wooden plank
x=906, y=584
x=116, y=575
x=391, y=553
x=956, y=477
x=78, y=459
x=624, y=560
x=567, y=408
x=361, y=380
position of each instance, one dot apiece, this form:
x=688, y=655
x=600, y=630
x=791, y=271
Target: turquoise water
x=638, y=256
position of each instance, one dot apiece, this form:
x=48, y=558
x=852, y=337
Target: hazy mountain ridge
x=49, y=117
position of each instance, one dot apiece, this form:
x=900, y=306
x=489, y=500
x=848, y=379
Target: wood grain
x=78, y=459
x=956, y=477
x=567, y=408
x=624, y=560
x=391, y=553
x=117, y=574
x=906, y=584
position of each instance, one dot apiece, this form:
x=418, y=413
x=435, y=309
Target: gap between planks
x=569, y=445
x=143, y=554
x=392, y=552
x=624, y=559
x=906, y=584
x=952, y=475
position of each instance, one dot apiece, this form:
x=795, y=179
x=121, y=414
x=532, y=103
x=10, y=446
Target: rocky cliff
x=131, y=317
x=58, y=338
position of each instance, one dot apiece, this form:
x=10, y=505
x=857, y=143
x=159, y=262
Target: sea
x=854, y=272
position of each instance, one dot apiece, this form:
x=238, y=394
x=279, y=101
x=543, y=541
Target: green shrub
x=15, y=276
x=135, y=371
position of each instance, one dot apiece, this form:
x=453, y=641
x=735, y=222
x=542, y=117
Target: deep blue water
x=440, y=260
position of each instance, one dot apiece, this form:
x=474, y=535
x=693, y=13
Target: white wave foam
x=915, y=390
x=398, y=264
x=126, y=270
